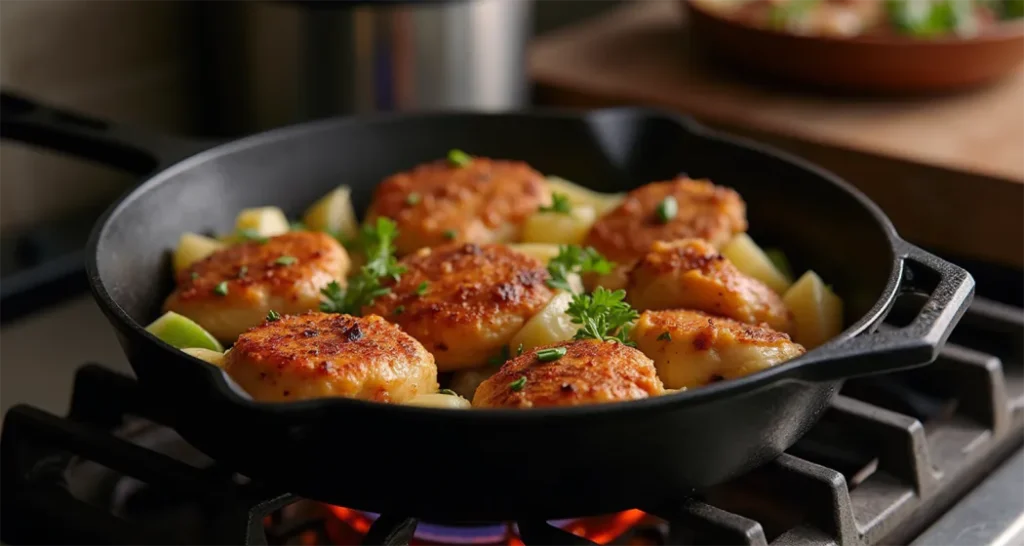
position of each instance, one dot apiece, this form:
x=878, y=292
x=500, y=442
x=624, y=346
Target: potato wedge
x=579, y=195
x=550, y=325
x=560, y=228
x=744, y=253
x=817, y=311
x=263, y=221
x=334, y=214
x=542, y=251
x=437, y=400
x=192, y=248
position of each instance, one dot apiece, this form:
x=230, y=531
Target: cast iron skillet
x=497, y=464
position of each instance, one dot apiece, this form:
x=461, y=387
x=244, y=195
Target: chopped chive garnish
x=252, y=235
x=399, y=310
x=665, y=336
x=243, y=271
x=559, y=203
x=667, y=209
x=221, y=289
x=273, y=315
x=412, y=198
x=450, y=234
x=500, y=358
x=449, y=392
x=285, y=260
x=459, y=158
x=194, y=275
x=422, y=288
x=550, y=354
x=518, y=384
x=519, y=351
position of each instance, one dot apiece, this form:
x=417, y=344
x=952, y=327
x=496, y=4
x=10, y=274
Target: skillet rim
x=230, y=391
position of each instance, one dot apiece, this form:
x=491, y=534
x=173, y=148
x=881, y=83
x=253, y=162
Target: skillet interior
x=360, y=454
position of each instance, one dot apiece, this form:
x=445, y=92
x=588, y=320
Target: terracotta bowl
x=867, y=64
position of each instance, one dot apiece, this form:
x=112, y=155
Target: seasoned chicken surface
x=703, y=210
x=590, y=372
x=233, y=289
x=692, y=349
x=465, y=301
x=317, y=355
x=485, y=201
x=691, y=274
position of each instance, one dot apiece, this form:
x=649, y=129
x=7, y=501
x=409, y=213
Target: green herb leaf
x=221, y=289
x=286, y=260
x=518, y=384
x=193, y=275
x=502, y=357
x=603, y=315
x=559, y=203
x=298, y=226
x=519, y=350
x=575, y=259
x=399, y=310
x=459, y=158
x=422, y=288
x=449, y=392
x=667, y=209
x=412, y=198
x=780, y=261
x=450, y=234
x=252, y=235
x=273, y=315
x=665, y=336
x=551, y=354
x=377, y=240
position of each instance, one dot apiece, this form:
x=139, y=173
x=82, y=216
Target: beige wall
x=127, y=61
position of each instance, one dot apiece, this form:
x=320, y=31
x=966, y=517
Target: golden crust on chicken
x=691, y=274
x=590, y=372
x=484, y=201
x=234, y=288
x=702, y=210
x=465, y=301
x=692, y=349
x=316, y=355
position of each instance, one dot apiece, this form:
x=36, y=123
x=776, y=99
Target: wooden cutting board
x=948, y=170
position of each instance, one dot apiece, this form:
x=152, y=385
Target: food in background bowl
x=512, y=319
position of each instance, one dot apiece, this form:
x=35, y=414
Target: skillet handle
x=125, y=148
x=950, y=289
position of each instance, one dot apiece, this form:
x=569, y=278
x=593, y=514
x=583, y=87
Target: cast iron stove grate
x=891, y=454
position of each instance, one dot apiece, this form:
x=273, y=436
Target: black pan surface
x=498, y=464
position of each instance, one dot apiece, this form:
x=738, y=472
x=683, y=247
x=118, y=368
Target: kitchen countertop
x=37, y=364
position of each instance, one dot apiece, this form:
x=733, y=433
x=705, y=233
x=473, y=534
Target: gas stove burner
x=887, y=459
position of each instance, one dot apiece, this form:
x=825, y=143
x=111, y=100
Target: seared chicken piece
x=590, y=372
x=691, y=274
x=485, y=201
x=465, y=301
x=316, y=355
x=233, y=289
x=692, y=349
x=703, y=210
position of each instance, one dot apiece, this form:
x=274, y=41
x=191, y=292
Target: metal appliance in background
x=274, y=63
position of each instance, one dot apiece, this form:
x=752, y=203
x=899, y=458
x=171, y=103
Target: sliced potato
x=183, y=333
x=334, y=214
x=817, y=311
x=192, y=248
x=437, y=400
x=560, y=228
x=550, y=325
x=542, y=251
x=465, y=382
x=263, y=221
x=579, y=195
x=744, y=253
x=213, y=357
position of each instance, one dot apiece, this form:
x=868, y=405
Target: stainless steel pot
x=272, y=63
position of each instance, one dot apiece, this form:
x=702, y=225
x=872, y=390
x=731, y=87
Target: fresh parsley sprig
x=603, y=315
x=575, y=259
x=559, y=203
x=377, y=240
